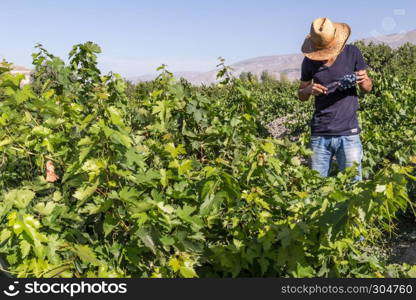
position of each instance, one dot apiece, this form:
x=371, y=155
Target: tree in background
x=283, y=77
x=248, y=77
x=385, y=60
x=266, y=77
x=243, y=76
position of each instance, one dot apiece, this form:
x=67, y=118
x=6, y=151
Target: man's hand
x=317, y=89
x=363, y=81
x=308, y=88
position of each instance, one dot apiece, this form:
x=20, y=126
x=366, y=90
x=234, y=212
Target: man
x=334, y=126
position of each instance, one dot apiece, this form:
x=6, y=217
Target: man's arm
x=308, y=88
x=364, y=82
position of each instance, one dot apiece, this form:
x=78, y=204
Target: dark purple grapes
x=347, y=82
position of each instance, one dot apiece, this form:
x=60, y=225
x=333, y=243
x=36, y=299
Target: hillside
x=22, y=70
x=394, y=40
x=277, y=65
x=288, y=64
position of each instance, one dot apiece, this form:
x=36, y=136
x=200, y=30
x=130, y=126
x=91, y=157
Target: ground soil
x=402, y=247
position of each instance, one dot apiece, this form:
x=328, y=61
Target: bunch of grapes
x=347, y=82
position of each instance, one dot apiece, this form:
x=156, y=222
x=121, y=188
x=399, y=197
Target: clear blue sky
x=137, y=36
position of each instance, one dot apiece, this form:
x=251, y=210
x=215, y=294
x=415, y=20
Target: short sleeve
x=306, y=70
x=359, y=63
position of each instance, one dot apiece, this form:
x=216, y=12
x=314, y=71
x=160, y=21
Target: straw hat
x=326, y=39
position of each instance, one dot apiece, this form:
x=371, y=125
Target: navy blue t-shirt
x=335, y=112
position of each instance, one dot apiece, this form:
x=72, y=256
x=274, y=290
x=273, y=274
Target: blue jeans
x=346, y=148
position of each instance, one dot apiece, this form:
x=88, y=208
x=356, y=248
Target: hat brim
x=342, y=33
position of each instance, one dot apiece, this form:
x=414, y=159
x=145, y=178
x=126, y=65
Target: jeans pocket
x=315, y=140
x=353, y=139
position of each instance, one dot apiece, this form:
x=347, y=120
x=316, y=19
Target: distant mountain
x=22, y=70
x=188, y=75
x=394, y=40
x=277, y=65
x=18, y=69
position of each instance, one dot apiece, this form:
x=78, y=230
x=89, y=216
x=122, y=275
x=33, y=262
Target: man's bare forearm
x=304, y=94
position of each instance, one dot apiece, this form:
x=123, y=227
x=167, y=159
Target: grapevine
x=104, y=178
